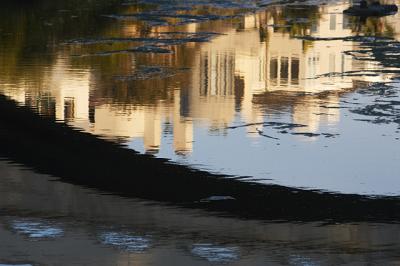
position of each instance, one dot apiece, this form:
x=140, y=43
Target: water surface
x=47, y=222
x=290, y=94
x=293, y=93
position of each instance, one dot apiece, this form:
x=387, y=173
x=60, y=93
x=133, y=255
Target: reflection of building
x=71, y=94
x=226, y=75
x=63, y=93
x=240, y=65
x=227, y=72
x=183, y=129
x=299, y=65
x=142, y=122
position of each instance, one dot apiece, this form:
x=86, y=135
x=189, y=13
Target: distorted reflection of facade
x=301, y=65
x=232, y=75
x=227, y=72
x=145, y=122
x=296, y=64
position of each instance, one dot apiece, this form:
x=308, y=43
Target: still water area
x=291, y=93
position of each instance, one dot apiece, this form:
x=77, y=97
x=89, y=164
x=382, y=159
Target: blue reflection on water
x=36, y=229
x=214, y=253
x=126, y=242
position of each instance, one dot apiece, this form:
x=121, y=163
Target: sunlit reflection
x=257, y=56
x=293, y=94
x=173, y=84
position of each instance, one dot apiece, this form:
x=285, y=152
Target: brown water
x=295, y=94
x=53, y=223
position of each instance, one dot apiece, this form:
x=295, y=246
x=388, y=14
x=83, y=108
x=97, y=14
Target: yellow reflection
x=236, y=73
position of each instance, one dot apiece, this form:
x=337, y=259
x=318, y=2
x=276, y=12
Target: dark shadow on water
x=80, y=158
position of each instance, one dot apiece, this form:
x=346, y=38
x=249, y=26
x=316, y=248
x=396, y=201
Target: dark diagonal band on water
x=81, y=158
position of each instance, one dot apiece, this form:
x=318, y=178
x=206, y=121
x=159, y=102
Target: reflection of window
x=239, y=91
x=295, y=70
x=217, y=74
x=184, y=103
x=203, y=75
x=313, y=63
x=92, y=113
x=284, y=70
x=69, y=108
x=44, y=103
x=346, y=22
x=332, y=22
x=314, y=28
x=273, y=70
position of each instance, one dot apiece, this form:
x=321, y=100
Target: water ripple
x=125, y=242
x=214, y=253
x=36, y=229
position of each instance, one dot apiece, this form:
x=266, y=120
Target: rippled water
x=126, y=242
x=295, y=94
x=35, y=229
x=215, y=253
x=99, y=229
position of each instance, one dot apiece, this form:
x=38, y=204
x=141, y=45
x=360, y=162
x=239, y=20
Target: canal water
x=292, y=93
x=44, y=222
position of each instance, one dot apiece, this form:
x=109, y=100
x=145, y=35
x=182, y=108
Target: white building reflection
x=226, y=74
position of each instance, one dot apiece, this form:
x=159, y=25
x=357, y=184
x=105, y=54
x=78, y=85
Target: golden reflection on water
x=237, y=73
x=254, y=71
